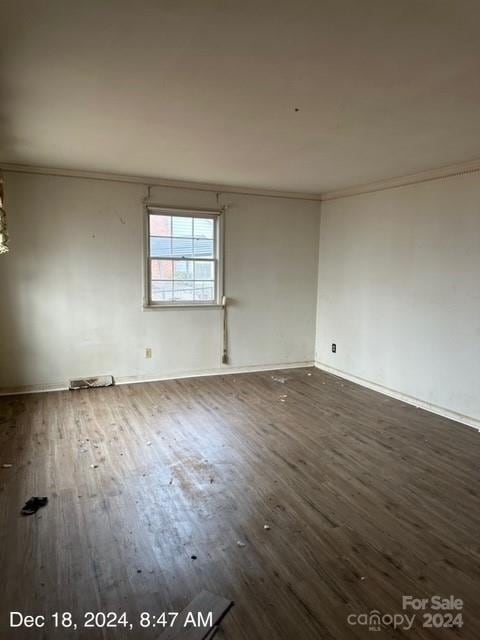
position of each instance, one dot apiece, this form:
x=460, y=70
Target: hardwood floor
x=367, y=499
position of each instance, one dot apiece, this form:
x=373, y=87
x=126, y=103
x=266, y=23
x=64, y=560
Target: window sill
x=158, y=307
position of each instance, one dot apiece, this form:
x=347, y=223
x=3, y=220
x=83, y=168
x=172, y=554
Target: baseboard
x=469, y=421
x=225, y=370
x=32, y=388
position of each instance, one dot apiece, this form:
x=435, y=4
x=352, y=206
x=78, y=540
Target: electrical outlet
x=148, y=352
x=334, y=347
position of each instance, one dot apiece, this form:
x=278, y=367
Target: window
x=183, y=257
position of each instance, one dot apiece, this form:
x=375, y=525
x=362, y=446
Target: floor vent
x=91, y=383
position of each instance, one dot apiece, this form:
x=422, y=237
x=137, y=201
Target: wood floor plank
x=158, y=491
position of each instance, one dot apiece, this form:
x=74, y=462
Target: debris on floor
x=308, y=373
x=266, y=526
x=148, y=443
x=94, y=466
x=279, y=379
x=241, y=544
x=193, y=557
x=212, y=632
x=205, y=606
x=7, y=466
x=33, y=505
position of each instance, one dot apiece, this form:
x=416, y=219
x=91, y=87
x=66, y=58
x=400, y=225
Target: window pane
x=203, y=248
x=162, y=269
x=204, y=291
x=204, y=270
x=183, y=290
x=160, y=247
x=183, y=270
x=203, y=227
x=182, y=227
x=160, y=225
x=182, y=247
x=162, y=291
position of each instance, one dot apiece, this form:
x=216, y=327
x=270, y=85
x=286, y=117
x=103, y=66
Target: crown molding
x=448, y=171
x=157, y=182
x=472, y=166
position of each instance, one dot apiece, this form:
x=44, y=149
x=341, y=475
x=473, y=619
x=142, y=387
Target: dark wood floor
x=367, y=499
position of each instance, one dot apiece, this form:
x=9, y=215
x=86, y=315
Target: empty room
x=240, y=319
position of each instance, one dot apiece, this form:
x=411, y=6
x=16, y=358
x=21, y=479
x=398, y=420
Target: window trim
x=217, y=216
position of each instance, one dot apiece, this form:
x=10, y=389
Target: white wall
x=71, y=286
x=399, y=291
x=398, y=288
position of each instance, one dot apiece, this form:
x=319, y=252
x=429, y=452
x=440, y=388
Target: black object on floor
x=33, y=505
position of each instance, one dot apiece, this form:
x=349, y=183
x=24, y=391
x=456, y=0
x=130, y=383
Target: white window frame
x=218, y=242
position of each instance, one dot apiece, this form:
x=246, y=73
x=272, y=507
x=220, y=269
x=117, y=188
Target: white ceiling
x=206, y=90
